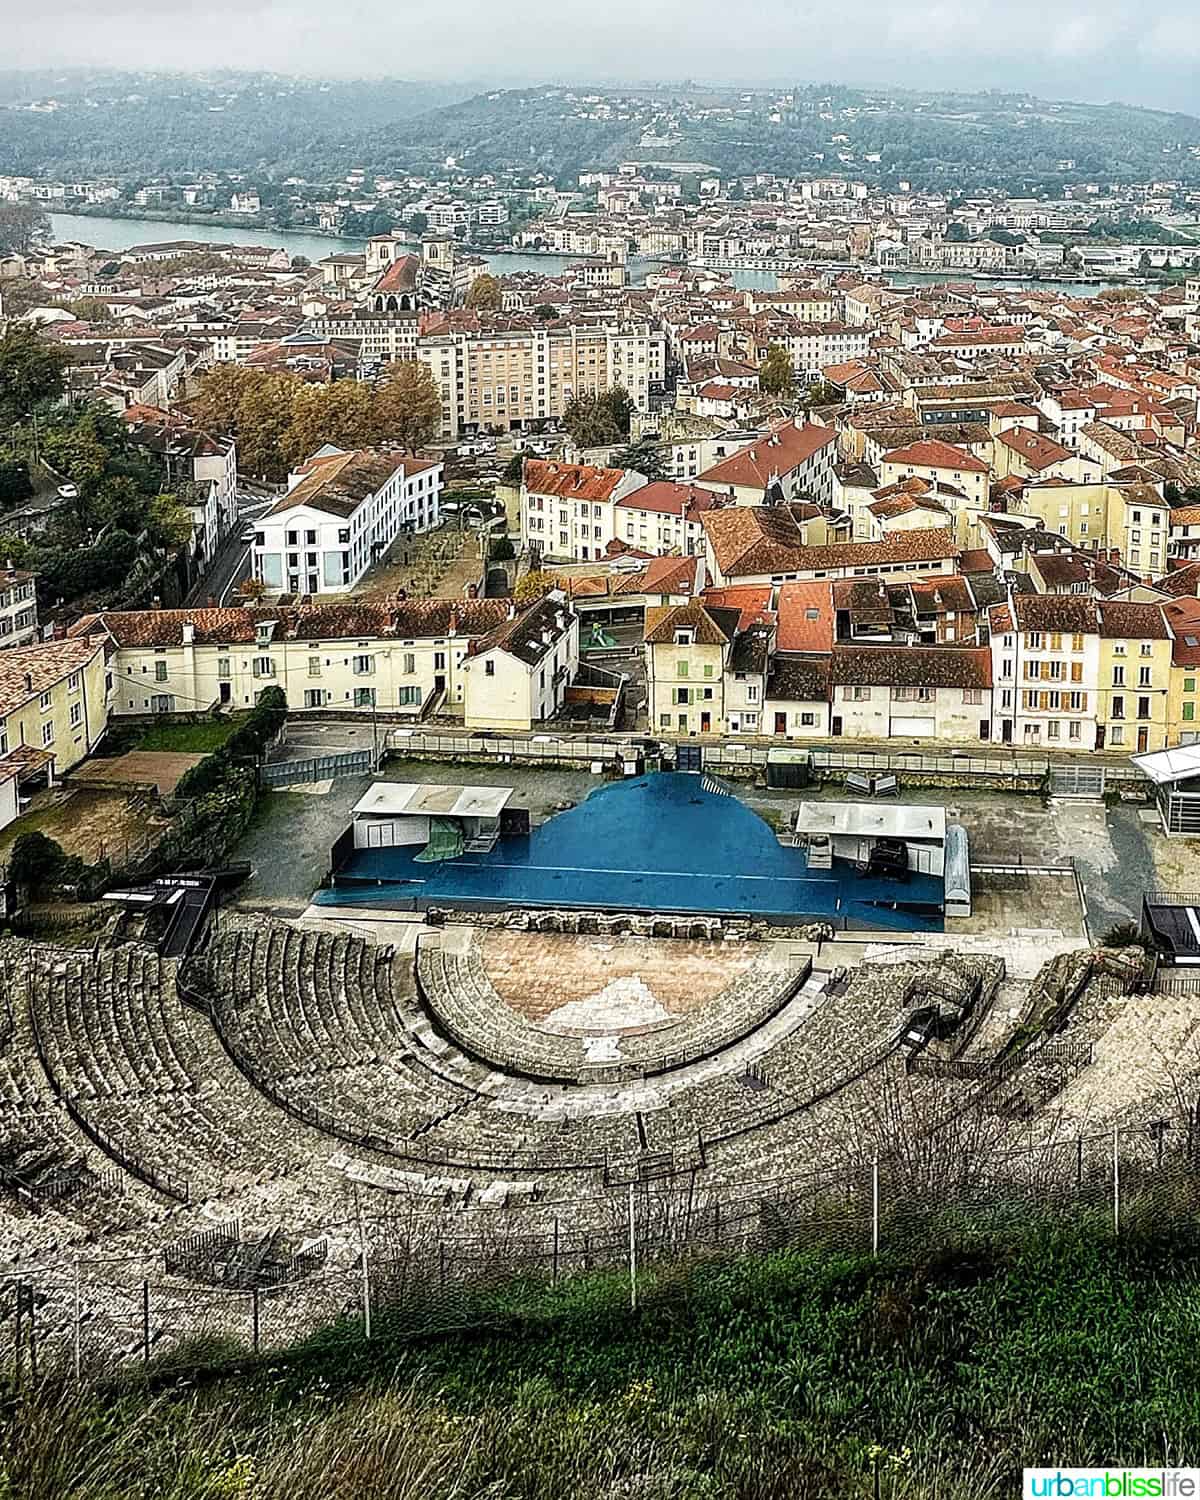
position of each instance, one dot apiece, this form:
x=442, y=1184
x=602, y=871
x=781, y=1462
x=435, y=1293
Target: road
x=231, y=562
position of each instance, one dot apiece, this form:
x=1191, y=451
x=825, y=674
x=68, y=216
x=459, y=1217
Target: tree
x=31, y=370
x=485, y=294
x=514, y=471
x=645, y=456
x=775, y=374
x=36, y=861
x=168, y=525
x=21, y=224
x=532, y=587
x=15, y=485
x=502, y=550
x=409, y=405
x=545, y=313
x=418, y=223
x=600, y=420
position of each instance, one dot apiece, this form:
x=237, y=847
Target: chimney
x=547, y=637
x=512, y=609
x=452, y=626
x=189, y=633
x=29, y=682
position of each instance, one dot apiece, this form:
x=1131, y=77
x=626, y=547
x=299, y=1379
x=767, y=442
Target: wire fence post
x=1116, y=1175
x=77, y=1329
x=254, y=1317
x=145, y=1322
x=554, y=1266
x=32, y=1310
x=632, y=1254
x=875, y=1204
x=18, y=1335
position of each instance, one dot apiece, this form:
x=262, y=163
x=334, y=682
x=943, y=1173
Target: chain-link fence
x=399, y=1270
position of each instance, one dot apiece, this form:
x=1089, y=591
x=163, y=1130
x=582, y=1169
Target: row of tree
x=279, y=420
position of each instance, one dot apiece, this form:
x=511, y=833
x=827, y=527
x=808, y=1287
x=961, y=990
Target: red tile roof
x=570, y=481
x=782, y=451
x=669, y=499
x=805, y=613
x=931, y=453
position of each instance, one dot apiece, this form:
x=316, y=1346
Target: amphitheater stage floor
x=663, y=843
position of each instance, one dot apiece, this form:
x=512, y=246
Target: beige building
x=518, y=674
x=405, y=658
x=53, y=705
x=509, y=378
x=1131, y=519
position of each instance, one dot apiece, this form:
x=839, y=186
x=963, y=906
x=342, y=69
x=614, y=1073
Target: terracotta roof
x=799, y=679
x=785, y=449
x=1183, y=615
x=751, y=600
x=805, y=612
x=669, y=499
x=533, y=634
x=402, y=620
x=1121, y=619
x=1067, y=613
x=912, y=666
x=1037, y=451
x=1181, y=581
x=753, y=539
x=713, y=627
x=931, y=453
x=28, y=671
x=401, y=275
x=570, y=481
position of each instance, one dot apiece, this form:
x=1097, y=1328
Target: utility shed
x=853, y=828
x=1175, y=774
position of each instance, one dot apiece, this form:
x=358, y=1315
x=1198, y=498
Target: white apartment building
x=664, y=518
x=18, y=608
x=568, y=511
x=1045, y=671
x=341, y=513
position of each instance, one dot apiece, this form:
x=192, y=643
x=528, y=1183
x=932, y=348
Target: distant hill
x=86, y=124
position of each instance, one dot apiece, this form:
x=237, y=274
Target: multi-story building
x=568, y=510
x=1135, y=676
x=1132, y=520
x=1046, y=671
x=53, y=709
x=690, y=667
x=664, y=517
x=341, y=513
x=942, y=464
x=18, y=608
x=190, y=455
x=791, y=462
x=507, y=378
x=413, y=657
x=923, y=693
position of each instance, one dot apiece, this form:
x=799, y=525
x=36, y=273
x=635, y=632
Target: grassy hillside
x=794, y=1376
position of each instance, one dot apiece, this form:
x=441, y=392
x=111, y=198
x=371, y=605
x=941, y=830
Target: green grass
x=194, y=739
x=781, y=1377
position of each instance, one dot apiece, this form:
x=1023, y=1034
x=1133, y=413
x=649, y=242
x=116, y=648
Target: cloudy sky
x=1075, y=49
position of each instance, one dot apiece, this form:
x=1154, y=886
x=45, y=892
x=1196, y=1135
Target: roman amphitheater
x=298, y=1119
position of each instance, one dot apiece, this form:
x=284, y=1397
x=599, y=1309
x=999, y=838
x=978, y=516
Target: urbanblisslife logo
x=1111, y=1484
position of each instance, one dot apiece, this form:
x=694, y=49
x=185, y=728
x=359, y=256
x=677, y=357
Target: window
x=1143, y=677
x=1147, y=648
x=1118, y=676
x=489, y=668
x=681, y=695
x=681, y=669
x=46, y=701
x=76, y=715
x=1077, y=642
x=1189, y=712
x=223, y=668
x=314, y=666
x=264, y=666
x=751, y=692
x=364, y=666
x=1074, y=730
x=410, y=663
x=1143, y=709
x=48, y=732
x=73, y=682
x=364, y=697
x=1118, y=707
x=314, y=698
x=858, y=694
x=160, y=671
x=1052, y=729
x=1117, y=737
x=1118, y=648
x=973, y=696
x=409, y=697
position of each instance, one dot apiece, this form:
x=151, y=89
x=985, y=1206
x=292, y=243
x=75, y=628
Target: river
x=123, y=234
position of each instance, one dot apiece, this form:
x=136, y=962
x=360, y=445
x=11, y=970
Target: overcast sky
x=1105, y=49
